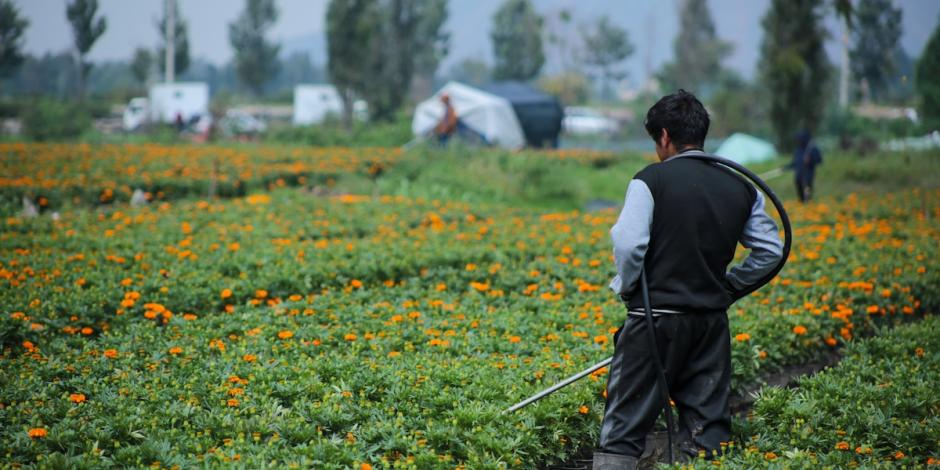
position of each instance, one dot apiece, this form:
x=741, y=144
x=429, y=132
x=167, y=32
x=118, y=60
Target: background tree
x=351, y=27
x=793, y=66
x=698, y=52
x=606, y=46
x=875, y=34
x=434, y=43
x=376, y=47
x=180, y=44
x=570, y=87
x=410, y=35
x=86, y=29
x=141, y=65
x=928, y=87
x=255, y=56
x=471, y=71
x=517, y=41
x=12, y=26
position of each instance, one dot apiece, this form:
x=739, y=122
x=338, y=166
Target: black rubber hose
x=644, y=287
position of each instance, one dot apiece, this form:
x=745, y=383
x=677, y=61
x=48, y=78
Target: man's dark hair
x=683, y=117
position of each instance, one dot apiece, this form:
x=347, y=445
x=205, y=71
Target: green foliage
x=793, y=66
x=737, y=105
x=698, y=52
x=331, y=133
x=376, y=48
x=875, y=34
x=471, y=71
x=410, y=36
x=180, y=42
x=50, y=120
x=142, y=64
x=255, y=56
x=569, y=87
x=878, y=408
x=517, y=41
x=352, y=28
x=605, y=46
x=928, y=87
x=86, y=30
x=12, y=27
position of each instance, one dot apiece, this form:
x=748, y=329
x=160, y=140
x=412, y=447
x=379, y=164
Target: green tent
x=743, y=148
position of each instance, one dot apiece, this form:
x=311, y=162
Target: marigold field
x=288, y=328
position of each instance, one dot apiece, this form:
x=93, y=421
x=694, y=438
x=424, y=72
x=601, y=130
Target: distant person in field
x=681, y=222
x=805, y=158
x=447, y=126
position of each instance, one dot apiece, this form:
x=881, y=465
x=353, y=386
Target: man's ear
x=664, y=139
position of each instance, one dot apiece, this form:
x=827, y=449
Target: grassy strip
x=878, y=408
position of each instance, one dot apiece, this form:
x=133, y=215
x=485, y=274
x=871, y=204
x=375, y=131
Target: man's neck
x=685, y=149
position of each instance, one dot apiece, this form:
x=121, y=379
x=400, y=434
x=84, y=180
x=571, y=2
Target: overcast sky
x=652, y=26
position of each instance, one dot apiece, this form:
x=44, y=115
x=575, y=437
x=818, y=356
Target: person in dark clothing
x=682, y=220
x=805, y=158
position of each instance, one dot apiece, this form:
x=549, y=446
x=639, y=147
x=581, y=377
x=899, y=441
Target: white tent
x=743, y=148
x=490, y=116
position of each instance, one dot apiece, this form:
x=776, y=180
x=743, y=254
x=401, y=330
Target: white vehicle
x=238, y=123
x=586, y=121
x=313, y=103
x=168, y=103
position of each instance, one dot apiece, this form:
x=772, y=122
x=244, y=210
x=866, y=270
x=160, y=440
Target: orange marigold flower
x=762, y=354
x=583, y=410
x=515, y=339
x=600, y=339
x=249, y=358
x=842, y=445
x=898, y=455
x=261, y=293
x=742, y=337
x=350, y=337
x=355, y=283
x=873, y=309
x=365, y=466
x=77, y=397
x=770, y=456
x=831, y=341
x=37, y=433
x=87, y=331
x=799, y=330
x=29, y=345
x=236, y=391
x=226, y=293
x=232, y=402
x=919, y=352
x=176, y=350
x=110, y=353
x=286, y=334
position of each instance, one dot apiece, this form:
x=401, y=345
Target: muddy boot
x=605, y=461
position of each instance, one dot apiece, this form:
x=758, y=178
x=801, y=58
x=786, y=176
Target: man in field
x=681, y=221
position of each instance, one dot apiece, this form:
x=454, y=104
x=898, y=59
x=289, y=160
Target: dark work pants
x=696, y=352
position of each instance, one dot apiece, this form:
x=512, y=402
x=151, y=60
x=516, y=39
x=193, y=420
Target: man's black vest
x=699, y=212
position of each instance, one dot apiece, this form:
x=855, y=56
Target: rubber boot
x=605, y=461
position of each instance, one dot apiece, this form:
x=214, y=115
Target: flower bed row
x=336, y=332
x=878, y=408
